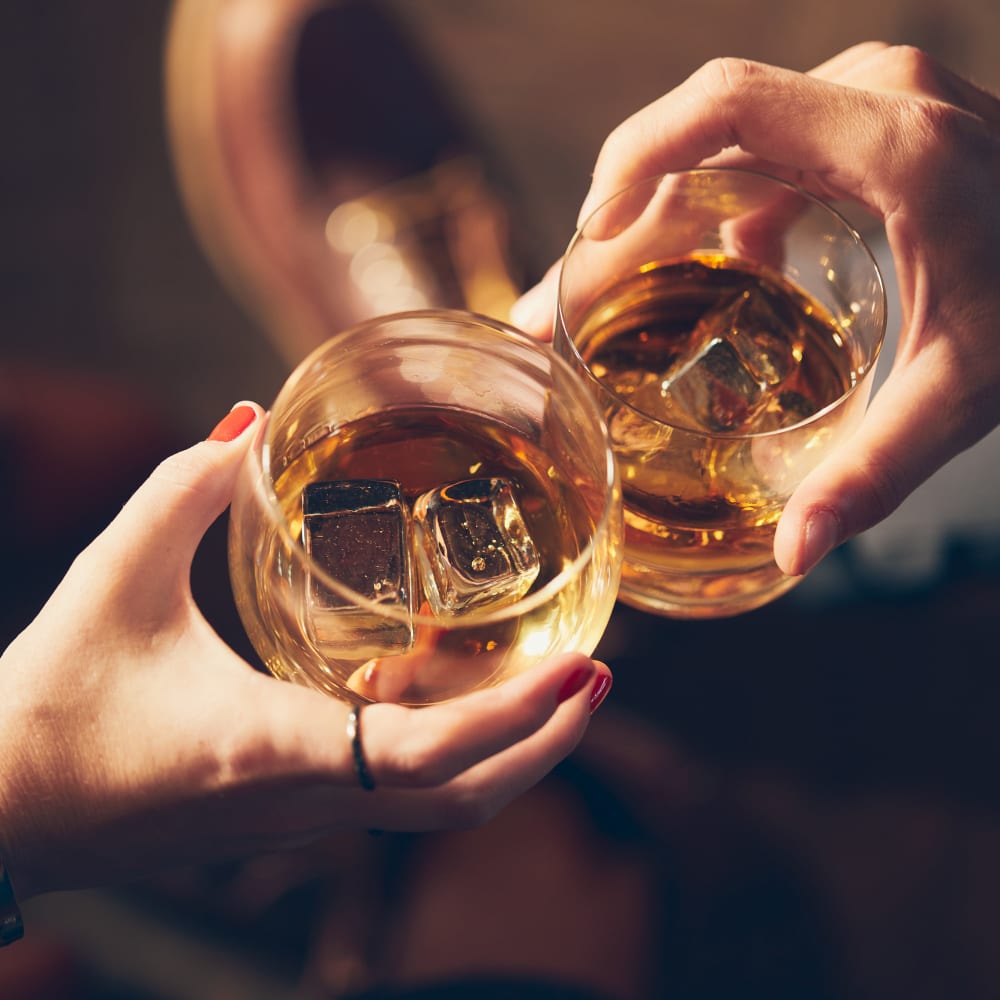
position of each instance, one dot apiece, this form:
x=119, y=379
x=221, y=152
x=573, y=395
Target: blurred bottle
x=324, y=170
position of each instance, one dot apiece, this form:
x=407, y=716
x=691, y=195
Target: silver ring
x=357, y=751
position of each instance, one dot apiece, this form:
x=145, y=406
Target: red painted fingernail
x=601, y=688
x=233, y=424
x=573, y=683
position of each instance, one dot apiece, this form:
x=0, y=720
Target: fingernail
x=821, y=535
x=234, y=423
x=601, y=688
x=573, y=683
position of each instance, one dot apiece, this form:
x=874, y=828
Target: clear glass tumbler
x=432, y=506
x=729, y=324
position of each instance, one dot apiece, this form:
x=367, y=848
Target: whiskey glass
x=432, y=506
x=729, y=324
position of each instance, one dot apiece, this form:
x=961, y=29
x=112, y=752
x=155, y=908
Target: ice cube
x=743, y=352
x=760, y=326
x=473, y=548
x=358, y=532
x=635, y=437
x=786, y=409
x=633, y=434
x=714, y=391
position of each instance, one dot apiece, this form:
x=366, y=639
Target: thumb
x=165, y=519
x=914, y=425
x=533, y=311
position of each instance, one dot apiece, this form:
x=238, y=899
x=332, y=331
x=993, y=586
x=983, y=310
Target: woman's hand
x=133, y=738
x=890, y=129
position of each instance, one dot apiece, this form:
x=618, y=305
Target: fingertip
x=786, y=544
x=236, y=422
x=799, y=546
x=532, y=312
x=574, y=682
x=822, y=534
x=190, y=488
x=601, y=686
x=584, y=674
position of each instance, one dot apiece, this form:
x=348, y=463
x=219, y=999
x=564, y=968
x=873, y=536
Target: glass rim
x=850, y=230
x=262, y=486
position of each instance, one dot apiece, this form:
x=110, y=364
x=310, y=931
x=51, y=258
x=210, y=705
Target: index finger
x=835, y=133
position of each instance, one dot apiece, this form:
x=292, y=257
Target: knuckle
x=228, y=764
x=728, y=75
x=183, y=469
x=932, y=124
x=250, y=747
x=618, y=142
x=727, y=82
x=927, y=146
x=934, y=113
x=468, y=811
x=911, y=68
x=873, y=46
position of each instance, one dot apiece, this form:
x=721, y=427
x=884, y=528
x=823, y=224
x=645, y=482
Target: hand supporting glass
x=431, y=507
x=729, y=324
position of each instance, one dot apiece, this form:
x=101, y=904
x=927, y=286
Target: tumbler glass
x=729, y=324
x=432, y=506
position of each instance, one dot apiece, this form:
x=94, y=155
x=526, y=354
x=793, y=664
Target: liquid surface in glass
x=423, y=449
x=714, y=350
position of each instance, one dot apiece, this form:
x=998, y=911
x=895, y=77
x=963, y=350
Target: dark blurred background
x=797, y=803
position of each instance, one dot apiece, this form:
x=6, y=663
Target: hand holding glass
x=729, y=324
x=432, y=507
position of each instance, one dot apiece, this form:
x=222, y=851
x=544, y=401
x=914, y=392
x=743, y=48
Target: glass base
x=702, y=596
